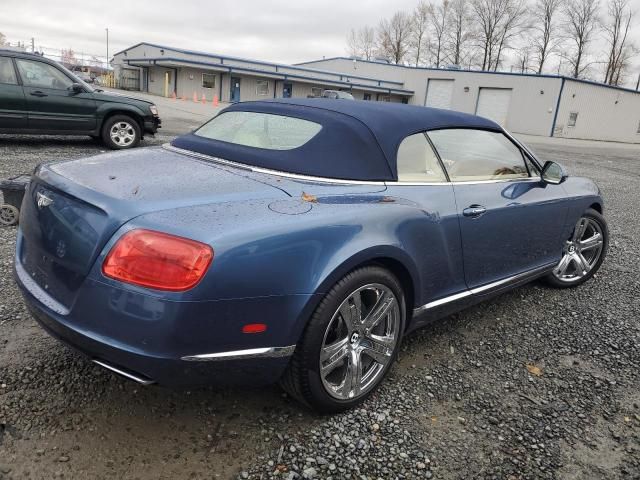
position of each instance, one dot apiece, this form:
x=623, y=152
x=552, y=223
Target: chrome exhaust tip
x=126, y=374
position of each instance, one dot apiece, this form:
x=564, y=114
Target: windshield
x=260, y=130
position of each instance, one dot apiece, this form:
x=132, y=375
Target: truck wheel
x=120, y=132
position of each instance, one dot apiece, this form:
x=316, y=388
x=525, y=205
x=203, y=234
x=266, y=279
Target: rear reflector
x=158, y=260
x=254, y=328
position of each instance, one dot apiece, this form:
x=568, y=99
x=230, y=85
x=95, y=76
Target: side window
x=473, y=155
x=417, y=162
x=42, y=75
x=7, y=74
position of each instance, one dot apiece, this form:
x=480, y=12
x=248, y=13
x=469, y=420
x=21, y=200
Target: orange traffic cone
x=195, y=97
x=184, y=98
x=215, y=100
x=204, y=99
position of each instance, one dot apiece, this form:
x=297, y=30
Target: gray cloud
x=276, y=30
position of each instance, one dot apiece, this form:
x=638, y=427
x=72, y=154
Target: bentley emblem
x=42, y=200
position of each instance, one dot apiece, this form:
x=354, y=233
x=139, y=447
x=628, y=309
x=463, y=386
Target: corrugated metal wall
x=533, y=100
x=602, y=113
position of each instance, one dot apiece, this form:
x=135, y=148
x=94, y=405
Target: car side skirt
x=448, y=305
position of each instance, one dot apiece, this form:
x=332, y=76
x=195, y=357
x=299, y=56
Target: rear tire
x=120, y=132
x=583, y=252
x=345, y=351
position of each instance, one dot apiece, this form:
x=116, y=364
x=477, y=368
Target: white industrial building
x=546, y=105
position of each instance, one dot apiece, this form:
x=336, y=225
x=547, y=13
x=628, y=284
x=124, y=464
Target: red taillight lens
x=158, y=260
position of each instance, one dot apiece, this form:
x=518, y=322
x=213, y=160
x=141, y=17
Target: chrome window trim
x=267, y=171
x=263, y=352
x=339, y=181
x=484, y=288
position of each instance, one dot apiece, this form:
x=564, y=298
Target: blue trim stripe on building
x=275, y=75
x=455, y=70
x=555, y=115
x=275, y=65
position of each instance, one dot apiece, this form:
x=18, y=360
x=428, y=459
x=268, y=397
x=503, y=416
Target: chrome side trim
x=337, y=181
x=264, y=352
x=130, y=376
x=267, y=171
x=484, y=288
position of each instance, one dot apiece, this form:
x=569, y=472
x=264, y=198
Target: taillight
x=158, y=260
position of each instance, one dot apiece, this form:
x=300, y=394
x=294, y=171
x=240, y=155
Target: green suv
x=39, y=96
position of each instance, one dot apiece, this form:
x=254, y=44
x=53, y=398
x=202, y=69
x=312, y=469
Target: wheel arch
x=392, y=258
x=123, y=110
x=597, y=207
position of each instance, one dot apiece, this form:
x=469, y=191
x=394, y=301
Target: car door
x=511, y=221
x=429, y=231
x=53, y=105
x=13, y=107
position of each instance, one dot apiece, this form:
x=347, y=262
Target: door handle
x=474, y=211
x=38, y=93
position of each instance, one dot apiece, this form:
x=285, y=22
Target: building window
x=316, y=91
x=573, y=118
x=367, y=96
x=208, y=80
x=262, y=87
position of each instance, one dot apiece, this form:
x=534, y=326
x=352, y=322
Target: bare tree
x=439, y=18
x=581, y=22
x=515, y=22
x=420, y=30
x=523, y=59
x=362, y=42
x=545, y=39
x=498, y=22
x=394, y=36
x=458, y=32
x=616, y=28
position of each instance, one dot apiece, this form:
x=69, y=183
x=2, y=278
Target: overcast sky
x=277, y=30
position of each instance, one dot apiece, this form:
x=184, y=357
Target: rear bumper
x=163, y=362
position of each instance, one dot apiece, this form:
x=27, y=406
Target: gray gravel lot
x=460, y=403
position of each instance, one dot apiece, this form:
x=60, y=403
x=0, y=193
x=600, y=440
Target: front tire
x=120, y=132
x=583, y=253
x=350, y=342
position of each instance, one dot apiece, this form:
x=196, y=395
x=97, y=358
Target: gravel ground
x=538, y=383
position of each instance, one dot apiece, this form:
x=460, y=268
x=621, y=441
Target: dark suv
x=39, y=96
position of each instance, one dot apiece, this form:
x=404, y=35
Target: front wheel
x=350, y=342
x=583, y=253
x=120, y=132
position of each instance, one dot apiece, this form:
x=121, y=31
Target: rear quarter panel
x=291, y=247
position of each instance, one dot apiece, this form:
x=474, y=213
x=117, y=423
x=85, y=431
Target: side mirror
x=553, y=173
x=76, y=88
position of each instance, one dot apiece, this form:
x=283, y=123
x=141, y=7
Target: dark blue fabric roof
x=359, y=140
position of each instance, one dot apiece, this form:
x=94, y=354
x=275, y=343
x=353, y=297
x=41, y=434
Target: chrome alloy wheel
x=359, y=341
x=122, y=134
x=581, y=252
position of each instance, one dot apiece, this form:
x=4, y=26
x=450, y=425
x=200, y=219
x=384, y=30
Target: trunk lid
x=72, y=208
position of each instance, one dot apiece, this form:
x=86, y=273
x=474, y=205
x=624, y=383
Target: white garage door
x=493, y=103
x=439, y=93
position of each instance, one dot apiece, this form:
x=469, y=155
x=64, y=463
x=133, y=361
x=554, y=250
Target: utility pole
x=107, y=29
x=638, y=82
x=33, y=45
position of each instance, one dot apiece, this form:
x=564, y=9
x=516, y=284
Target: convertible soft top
x=359, y=140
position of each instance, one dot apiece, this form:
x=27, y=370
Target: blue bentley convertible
x=295, y=241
